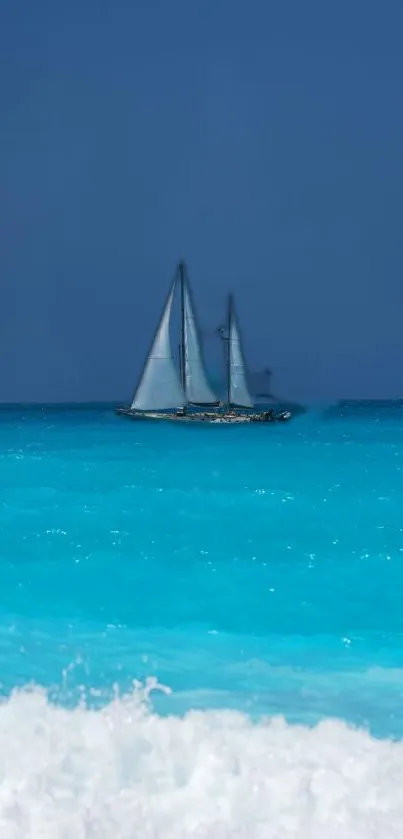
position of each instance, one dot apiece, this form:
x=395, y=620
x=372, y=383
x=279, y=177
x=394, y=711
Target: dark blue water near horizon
x=249, y=569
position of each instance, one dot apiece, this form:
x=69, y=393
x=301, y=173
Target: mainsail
x=196, y=385
x=159, y=385
x=238, y=391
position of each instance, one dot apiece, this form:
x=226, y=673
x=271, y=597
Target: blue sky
x=261, y=141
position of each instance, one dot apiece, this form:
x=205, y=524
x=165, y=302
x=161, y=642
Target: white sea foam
x=124, y=772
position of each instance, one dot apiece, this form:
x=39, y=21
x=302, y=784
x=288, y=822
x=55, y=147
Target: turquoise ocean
x=201, y=628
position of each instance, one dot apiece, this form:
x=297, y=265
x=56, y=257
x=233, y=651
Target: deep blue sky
x=261, y=140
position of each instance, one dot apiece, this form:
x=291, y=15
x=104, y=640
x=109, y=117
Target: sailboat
x=165, y=392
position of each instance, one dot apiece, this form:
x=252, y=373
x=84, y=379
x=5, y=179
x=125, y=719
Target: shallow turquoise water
x=251, y=568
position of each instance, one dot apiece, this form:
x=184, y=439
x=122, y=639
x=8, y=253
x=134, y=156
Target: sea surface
x=201, y=628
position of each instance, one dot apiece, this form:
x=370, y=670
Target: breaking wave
x=124, y=772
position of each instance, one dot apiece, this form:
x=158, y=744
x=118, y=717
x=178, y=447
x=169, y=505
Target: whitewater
x=200, y=629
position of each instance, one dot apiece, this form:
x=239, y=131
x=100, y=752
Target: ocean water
x=201, y=629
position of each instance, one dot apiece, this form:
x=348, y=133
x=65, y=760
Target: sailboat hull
x=205, y=418
x=187, y=418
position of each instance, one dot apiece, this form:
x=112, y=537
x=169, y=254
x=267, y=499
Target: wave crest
x=124, y=772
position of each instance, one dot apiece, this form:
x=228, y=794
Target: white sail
x=238, y=390
x=159, y=386
x=198, y=389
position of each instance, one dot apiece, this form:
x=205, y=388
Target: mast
x=238, y=390
x=229, y=324
x=194, y=376
x=182, y=350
